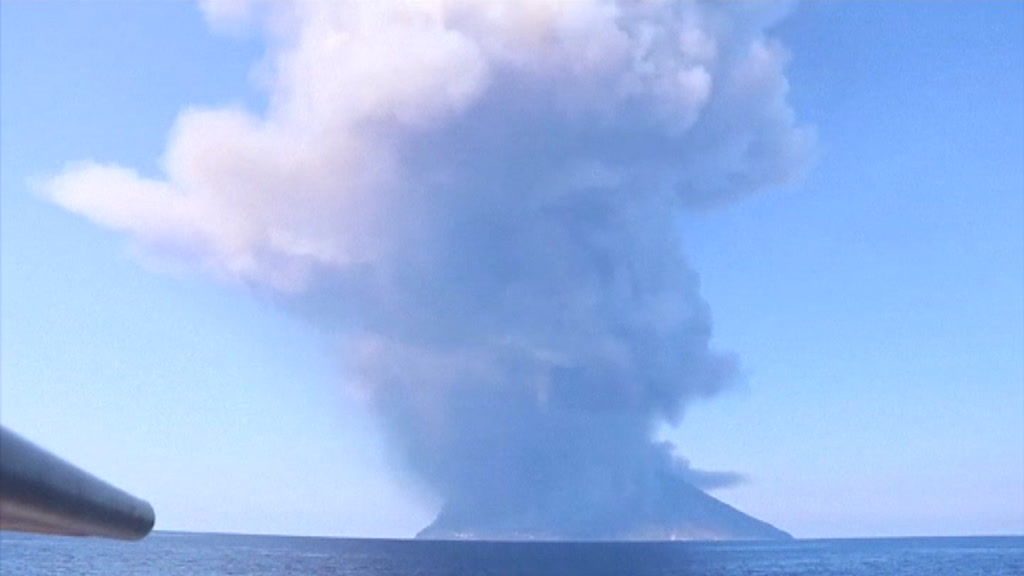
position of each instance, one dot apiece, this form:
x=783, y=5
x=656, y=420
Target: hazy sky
x=877, y=307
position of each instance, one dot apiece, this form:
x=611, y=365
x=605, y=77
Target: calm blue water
x=172, y=553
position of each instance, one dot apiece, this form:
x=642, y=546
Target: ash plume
x=481, y=199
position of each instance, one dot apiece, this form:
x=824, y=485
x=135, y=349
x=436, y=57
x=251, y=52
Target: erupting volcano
x=481, y=201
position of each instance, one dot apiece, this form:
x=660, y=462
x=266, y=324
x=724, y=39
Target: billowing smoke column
x=482, y=199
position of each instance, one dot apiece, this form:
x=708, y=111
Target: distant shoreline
x=540, y=541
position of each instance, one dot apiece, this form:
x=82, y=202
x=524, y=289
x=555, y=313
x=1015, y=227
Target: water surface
x=180, y=553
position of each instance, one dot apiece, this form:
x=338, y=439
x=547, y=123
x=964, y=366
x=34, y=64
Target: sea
x=174, y=553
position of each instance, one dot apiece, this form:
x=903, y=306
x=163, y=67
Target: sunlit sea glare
x=173, y=553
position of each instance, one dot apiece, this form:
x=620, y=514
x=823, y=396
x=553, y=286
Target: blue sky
x=877, y=306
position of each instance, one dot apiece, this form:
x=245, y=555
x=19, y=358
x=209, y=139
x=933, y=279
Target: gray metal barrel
x=39, y=492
